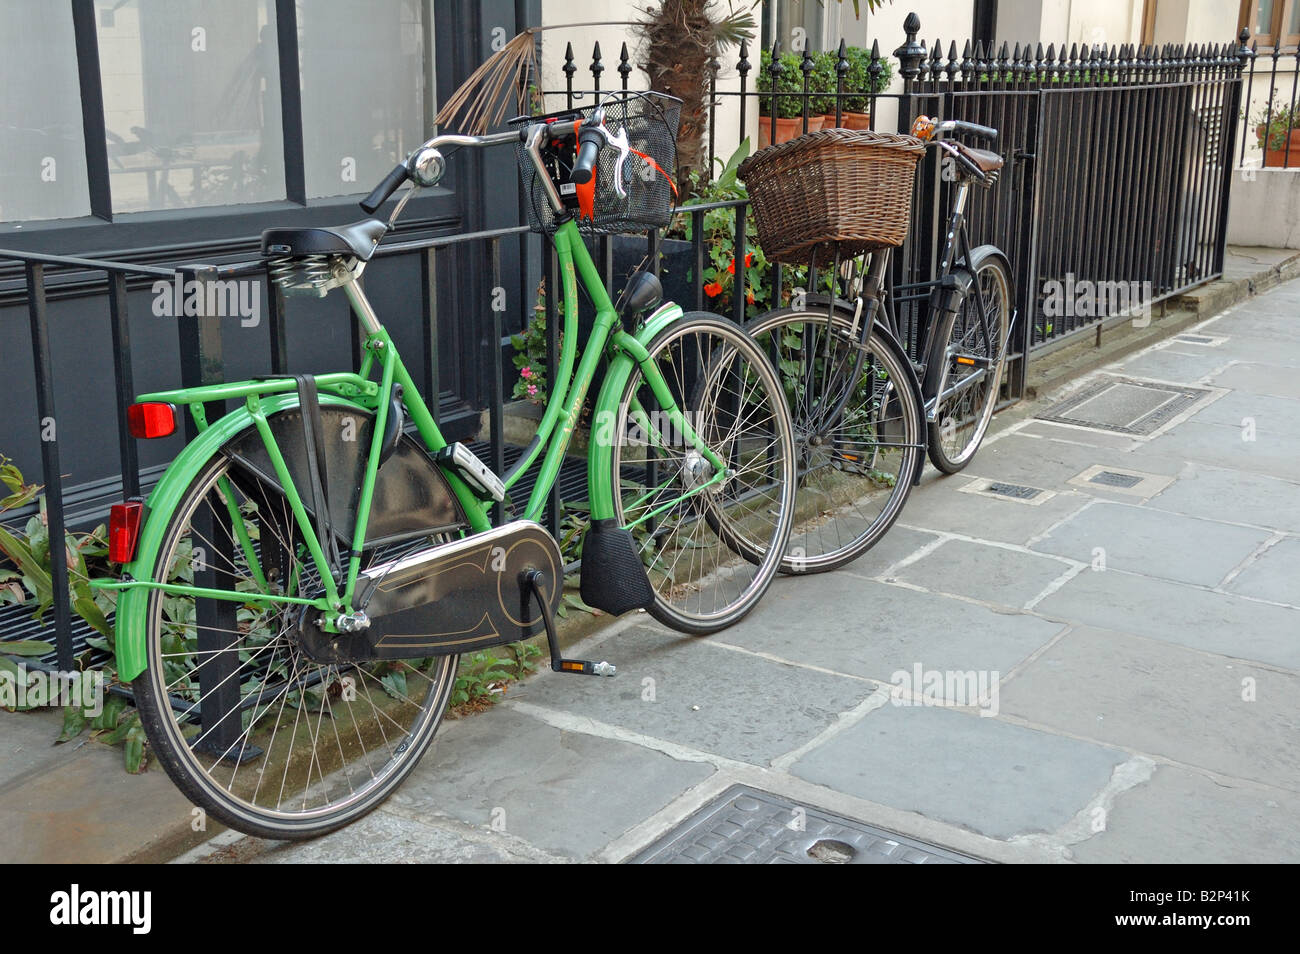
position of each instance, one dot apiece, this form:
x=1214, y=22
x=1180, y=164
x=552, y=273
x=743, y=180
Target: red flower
x=713, y=289
x=749, y=260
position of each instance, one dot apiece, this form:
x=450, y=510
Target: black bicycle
x=863, y=410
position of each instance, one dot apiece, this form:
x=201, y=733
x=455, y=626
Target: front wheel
x=966, y=362
x=711, y=540
x=248, y=725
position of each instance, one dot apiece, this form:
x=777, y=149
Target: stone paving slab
x=566, y=792
x=1220, y=446
x=884, y=628
x=1271, y=415
x=1165, y=700
x=992, y=777
x=716, y=700
x=384, y=837
x=1220, y=494
x=1260, y=379
x=1181, y=816
x=1176, y=363
x=983, y=572
x=1186, y=615
x=939, y=506
x=1275, y=575
x=1050, y=464
x=1153, y=542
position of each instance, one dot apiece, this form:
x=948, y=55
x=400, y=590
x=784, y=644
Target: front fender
x=130, y=616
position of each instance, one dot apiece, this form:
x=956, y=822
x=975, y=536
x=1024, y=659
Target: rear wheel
x=250, y=727
x=963, y=416
x=711, y=545
x=858, y=430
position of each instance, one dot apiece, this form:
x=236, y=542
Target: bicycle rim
x=251, y=728
x=858, y=432
x=961, y=420
x=694, y=540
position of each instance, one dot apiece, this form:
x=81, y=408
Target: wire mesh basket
x=837, y=191
x=648, y=176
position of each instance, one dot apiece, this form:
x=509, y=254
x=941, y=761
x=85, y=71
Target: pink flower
x=527, y=372
x=532, y=389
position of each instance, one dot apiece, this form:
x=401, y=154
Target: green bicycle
x=299, y=585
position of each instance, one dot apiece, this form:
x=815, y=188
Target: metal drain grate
x=746, y=826
x=1109, y=478
x=1125, y=405
x=1018, y=491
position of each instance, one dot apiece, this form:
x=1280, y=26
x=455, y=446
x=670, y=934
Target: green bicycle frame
x=264, y=398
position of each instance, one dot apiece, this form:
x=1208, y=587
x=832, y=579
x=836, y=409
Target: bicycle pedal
x=584, y=667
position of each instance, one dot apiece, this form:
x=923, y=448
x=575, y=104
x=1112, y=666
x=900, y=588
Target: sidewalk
x=1136, y=598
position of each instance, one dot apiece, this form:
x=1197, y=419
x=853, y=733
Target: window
x=43, y=175
x=1272, y=23
x=191, y=102
x=363, y=91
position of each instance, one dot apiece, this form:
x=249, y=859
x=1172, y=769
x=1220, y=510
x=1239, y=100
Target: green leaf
x=18, y=676
x=133, y=751
x=31, y=566
x=89, y=610
x=107, y=718
x=27, y=647
x=74, y=720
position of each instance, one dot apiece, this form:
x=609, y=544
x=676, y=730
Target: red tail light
x=124, y=522
x=151, y=419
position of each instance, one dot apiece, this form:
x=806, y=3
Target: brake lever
x=619, y=142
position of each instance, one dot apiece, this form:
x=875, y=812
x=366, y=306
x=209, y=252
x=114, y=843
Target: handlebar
x=407, y=170
x=935, y=131
x=970, y=129
x=584, y=166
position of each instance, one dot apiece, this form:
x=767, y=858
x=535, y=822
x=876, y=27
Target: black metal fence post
x=51, y=472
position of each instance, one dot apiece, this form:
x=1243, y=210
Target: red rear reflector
x=151, y=419
x=124, y=529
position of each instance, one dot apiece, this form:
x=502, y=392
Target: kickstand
x=531, y=581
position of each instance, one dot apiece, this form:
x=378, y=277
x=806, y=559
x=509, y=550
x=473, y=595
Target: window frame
x=1283, y=10
x=229, y=229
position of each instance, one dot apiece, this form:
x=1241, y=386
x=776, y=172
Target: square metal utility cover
x=1206, y=341
x=1121, y=480
x=1002, y=490
x=1126, y=405
x=746, y=826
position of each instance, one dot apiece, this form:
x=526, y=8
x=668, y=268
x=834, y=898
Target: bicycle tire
x=961, y=421
x=701, y=356
x=843, y=507
x=379, y=745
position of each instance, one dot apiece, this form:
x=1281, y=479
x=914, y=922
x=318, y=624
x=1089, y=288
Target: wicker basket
x=835, y=191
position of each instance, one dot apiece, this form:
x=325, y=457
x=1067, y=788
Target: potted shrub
x=789, y=108
x=1278, y=132
x=859, y=89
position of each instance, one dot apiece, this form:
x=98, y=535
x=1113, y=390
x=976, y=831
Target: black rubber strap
x=313, y=432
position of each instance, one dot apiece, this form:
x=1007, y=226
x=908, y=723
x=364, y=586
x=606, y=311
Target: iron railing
x=1270, y=102
x=1117, y=170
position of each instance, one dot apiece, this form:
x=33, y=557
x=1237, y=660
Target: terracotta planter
x=856, y=120
x=786, y=129
x=1279, y=157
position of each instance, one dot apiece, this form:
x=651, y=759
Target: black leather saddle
x=359, y=239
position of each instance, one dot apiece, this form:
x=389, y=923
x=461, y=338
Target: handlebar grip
x=974, y=129
x=385, y=188
x=588, y=149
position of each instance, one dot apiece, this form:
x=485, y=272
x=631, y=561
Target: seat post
x=362, y=307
